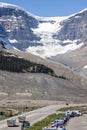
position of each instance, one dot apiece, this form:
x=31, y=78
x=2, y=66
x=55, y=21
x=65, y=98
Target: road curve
x=33, y=116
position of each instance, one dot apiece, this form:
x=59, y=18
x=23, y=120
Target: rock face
x=16, y=24
x=74, y=28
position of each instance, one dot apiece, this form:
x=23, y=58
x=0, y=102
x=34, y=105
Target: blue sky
x=50, y=7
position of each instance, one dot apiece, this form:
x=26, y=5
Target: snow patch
x=48, y=26
x=8, y=30
x=69, y=41
x=50, y=50
x=85, y=67
x=45, y=27
x=13, y=41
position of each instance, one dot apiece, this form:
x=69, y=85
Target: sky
x=50, y=7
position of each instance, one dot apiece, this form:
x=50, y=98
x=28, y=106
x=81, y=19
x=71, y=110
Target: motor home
x=21, y=118
x=11, y=122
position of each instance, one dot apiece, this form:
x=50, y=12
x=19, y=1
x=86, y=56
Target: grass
x=81, y=108
x=20, y=109
x=46, y=122
x=69, y=108
x=85, y=112
x=3, y=117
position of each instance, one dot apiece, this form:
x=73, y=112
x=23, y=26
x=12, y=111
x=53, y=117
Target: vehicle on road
x=25, y=125
x=11, y=122
x=21, y=118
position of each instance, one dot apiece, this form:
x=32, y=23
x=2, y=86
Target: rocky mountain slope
x=66, y=86
x=76, y=60
x=15, y=25
x=14, y=86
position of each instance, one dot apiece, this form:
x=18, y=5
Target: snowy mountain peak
x=6, y=5
x=11, y=6
x=82, y=10
x=43, y=36
x=78, y=13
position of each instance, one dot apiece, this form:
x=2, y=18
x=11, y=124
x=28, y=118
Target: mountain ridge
x=40, y=35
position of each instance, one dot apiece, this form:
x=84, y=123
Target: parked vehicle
x=76, y=113
x=11, y=122
x=21, y=118
x=73, y=113
x=65, y=120
x=59, y=128
x=46, y=128
x=25, y=125
x=57, y=123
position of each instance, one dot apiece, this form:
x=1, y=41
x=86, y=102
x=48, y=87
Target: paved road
x=33, y=116
x=77, y=123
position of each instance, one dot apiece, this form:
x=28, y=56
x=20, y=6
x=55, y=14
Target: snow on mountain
x=7, y=5
x=85, y=67
x=11, y=6
x=13, y=41
x=43, y=36
x=52, y=49
x=48, y=24
x=16, y=23
x=52, y=46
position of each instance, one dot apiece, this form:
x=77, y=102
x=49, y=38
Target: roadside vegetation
x=46, y=122
x=11, y=111
x=81, y=108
